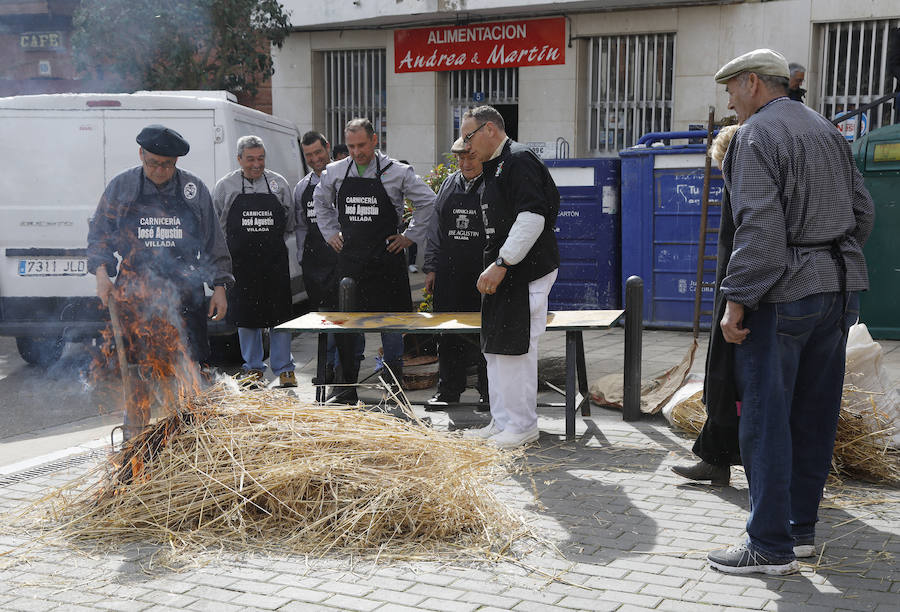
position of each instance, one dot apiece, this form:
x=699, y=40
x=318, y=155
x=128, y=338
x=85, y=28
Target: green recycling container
x=877, y=156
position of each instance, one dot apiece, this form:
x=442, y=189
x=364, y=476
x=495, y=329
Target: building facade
x=610, y=71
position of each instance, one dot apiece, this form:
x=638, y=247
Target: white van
x=58, y=152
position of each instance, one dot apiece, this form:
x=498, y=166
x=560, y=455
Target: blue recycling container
x=662, y=196
x=587, y=231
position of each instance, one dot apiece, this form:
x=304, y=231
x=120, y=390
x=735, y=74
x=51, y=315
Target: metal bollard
x=634, y=326
x=347, y=295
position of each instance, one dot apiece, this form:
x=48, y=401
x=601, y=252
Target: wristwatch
x=501, y=263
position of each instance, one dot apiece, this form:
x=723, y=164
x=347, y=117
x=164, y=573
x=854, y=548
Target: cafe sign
x=534, y=42
x=40, y=41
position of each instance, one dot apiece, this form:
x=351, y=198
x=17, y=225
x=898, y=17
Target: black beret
x=160, y=140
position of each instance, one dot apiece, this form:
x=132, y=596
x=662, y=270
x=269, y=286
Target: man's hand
x=490, y=279
x=398, y=242
x=218, y=304
x=429, y=282
x=104, y=286
x=732, y=323
x=337, y=242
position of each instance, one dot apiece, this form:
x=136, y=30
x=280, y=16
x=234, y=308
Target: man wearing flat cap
x=160, y=221
x=801, y=216
x=454, y=247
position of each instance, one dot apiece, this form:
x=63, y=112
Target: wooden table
x=573, y=322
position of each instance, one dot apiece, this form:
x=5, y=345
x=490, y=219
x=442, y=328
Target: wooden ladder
x=705, y=230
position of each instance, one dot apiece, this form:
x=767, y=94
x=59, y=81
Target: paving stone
x=585, y=603
x=173, y=600
x=212, y=593
x=345, y=602
x=448, y=605
x=265, y=602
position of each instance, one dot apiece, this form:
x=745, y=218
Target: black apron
x=254, y=230
x=367, y=217
x=461, y=255
x=506, y=314
x=162, y=247
x=319, y=259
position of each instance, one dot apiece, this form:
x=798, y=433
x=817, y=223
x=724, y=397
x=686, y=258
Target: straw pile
x=862, y=446
x=258, y=470
x=689, y=414
x=864, y=435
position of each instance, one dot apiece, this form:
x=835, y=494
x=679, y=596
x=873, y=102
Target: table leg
x=571, y=386
x=321, y=359
x=582, y=374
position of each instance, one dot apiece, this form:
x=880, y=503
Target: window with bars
x=853, y=69
x=471, y=88
x=355, y=87
x=629, y=88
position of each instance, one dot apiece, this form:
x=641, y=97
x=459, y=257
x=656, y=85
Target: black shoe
x=343, y=395
x=718, y=474
x=744, y=560
x=440, y=401
x=484, y=404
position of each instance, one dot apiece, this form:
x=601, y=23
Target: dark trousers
x=789, y=373
x=456, y=352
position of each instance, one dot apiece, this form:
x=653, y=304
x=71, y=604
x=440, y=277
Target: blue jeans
x=393, y=348
x=280, y=358
x=790, y=373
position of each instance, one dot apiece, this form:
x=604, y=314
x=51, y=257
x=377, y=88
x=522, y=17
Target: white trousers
x=512, y=379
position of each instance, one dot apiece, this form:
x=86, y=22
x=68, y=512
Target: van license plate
x=53, y=266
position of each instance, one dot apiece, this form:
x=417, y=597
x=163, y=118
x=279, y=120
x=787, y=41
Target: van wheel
x=40, y=351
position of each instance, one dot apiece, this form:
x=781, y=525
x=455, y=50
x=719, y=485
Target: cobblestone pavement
x=620, y=531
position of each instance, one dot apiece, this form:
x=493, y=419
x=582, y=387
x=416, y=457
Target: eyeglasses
x=167, y=165
x=469, y=136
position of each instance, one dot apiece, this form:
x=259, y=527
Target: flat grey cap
x=760, y=61
x=460, y=146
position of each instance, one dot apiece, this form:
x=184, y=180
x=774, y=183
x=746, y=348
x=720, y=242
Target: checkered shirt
x=794, y=189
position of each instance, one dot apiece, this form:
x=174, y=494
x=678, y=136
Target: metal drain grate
x=52, y=467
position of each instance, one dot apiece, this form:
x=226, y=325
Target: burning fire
x=146, y=343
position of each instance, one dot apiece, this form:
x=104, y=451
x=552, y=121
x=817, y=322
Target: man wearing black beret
x=160, y=221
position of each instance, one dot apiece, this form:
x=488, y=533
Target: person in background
x=340, y=152
x=717, y=445
x=359, y=203
x=519, y=205
x=160, y=221
x=318, y=261
x=802, y=215
x=454, y=251
x=795, y=83
x=256, y=211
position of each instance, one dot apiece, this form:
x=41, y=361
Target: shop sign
x=535, y=42
x=40, y=41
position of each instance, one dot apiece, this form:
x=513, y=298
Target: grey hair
x=360, y=123
x=777, y=84
x=249, y=142
x=485, y=113
x=794, y=68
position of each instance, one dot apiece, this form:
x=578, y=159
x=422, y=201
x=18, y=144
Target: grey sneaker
x=805, y=547
x=482, y=433
x=744, y=560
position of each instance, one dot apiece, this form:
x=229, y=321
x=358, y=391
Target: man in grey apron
x=160, y=220
x=317, y=259
x=454, y=250
x=359, y=205
x=256, y=210
x=520, y=203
